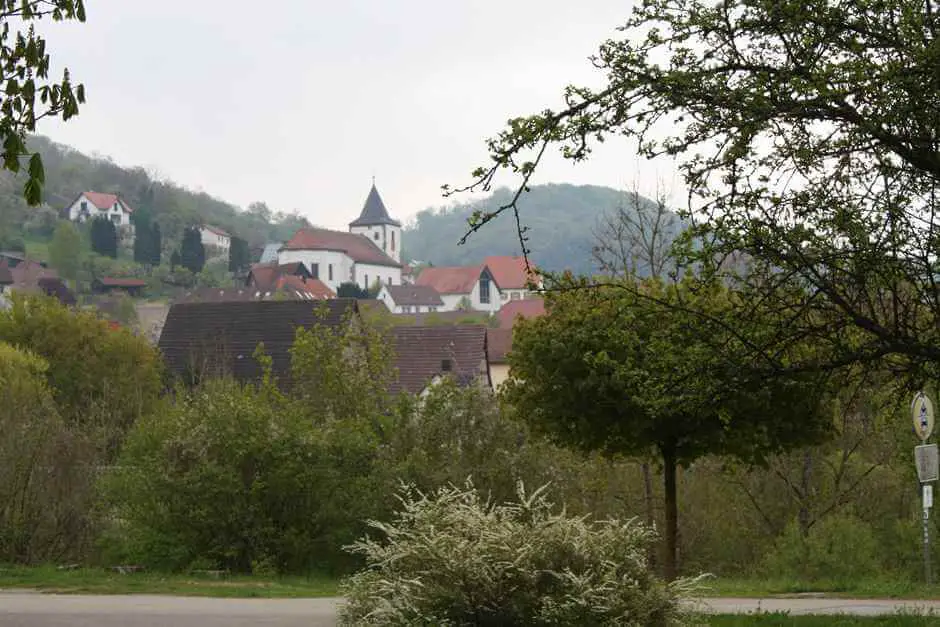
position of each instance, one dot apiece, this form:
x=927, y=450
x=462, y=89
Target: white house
x=90, y=205
x=514, y=277
x=404, y=299
x=472, y=287
x=368, y=255
x=215, y=237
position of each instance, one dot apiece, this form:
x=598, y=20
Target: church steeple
x=374, y=212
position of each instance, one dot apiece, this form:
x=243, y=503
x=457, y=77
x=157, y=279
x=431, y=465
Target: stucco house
x=426, y=355
x=214, y=237
x=515, y=280
x=89, y=205
x=406, y=299
x=471, y=287
x=498, y=345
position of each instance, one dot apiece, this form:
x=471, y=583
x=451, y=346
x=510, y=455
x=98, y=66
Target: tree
x=25, y=82
x=104, y=239
x=192, y=252
x=156, y=244
x=238, y=256
x=802, y=135
x=612, y=370
x=65, y=250
x=143, y=242
x=351, y=290
x=174, y=259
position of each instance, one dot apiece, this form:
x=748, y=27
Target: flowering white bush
x=451, y=558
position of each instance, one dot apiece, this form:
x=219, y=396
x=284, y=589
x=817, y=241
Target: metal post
x=927, y=571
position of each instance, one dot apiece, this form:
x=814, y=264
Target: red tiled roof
x=315, y=287
x=216, y=230
x=508, y=272
x=529, y=308
x=498, y=345
x=358, y=247
x=27, y=273
x=451, y=280
x=106, y=201
x=121, y=282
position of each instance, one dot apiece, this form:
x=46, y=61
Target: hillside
x=562, y=220
x=69, y=172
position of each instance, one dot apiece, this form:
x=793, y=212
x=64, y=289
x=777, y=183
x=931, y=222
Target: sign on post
x=922, y=413
x=927, y=459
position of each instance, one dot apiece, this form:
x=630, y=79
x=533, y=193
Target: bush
x=234, y=477
x=453, y=559
x=839, y=549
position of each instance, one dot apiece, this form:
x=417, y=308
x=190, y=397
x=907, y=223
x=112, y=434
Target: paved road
x=24, y=609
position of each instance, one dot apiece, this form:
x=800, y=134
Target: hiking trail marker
x=927, y=462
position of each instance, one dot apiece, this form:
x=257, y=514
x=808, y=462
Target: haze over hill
x=562, y=220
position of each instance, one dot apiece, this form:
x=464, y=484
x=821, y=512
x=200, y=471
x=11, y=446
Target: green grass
x=101, y=581
x=864, y=589
x=782, y=620
x=37, y=249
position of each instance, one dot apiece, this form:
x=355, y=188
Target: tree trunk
x=804, y=517
x=650, y=512
x=672, y=512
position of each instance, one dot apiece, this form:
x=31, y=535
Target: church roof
x=357, y=247
x=374, y=212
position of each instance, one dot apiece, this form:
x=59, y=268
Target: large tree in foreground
x=627, y=370
x=27, y=93
x=808, y=135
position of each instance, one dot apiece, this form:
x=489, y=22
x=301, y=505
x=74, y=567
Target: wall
x=342, y=265
x=381, y=236
x=498, y=375
x=214, y=239
x=367, y=274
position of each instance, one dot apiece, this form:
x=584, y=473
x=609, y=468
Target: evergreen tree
x=143, y=242
x=192, y=252
x=238, y=256
x=104, y=240
x=156, y=244
x=351, y=290
x=174, y=259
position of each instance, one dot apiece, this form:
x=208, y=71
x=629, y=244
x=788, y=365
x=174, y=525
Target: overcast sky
x=300, y=102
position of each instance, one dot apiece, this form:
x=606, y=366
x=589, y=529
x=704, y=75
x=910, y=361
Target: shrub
x=453, y=559
x=838, y=549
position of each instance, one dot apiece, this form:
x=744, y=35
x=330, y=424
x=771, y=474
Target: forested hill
x=69, y=172
x=562, y=220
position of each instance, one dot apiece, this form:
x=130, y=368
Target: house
x=214, y=338
x=463, y=287
x=498, y=345
x=528, y=308
x=425, y=355
x=269, y=254
x=215, y=238
x=291, y=278
x=405, y=299
x=368, y=255
x=108, y=285
x=513, y=276
x=32, y=277
x=90, y=205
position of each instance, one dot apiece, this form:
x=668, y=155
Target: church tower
x=375, y=223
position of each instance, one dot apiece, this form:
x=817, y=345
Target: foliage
x=235, y=477
x=658, y=379
x=147, y=242
x=239, y=257
x=560, y=218
x=100, y=378
x=453, y=558
x=26, y=83
x=840, y=549
x=104, y=237
x=192, y=253
x=65, y=251
x=812, y=178
x=351, y=290
x=41, y=516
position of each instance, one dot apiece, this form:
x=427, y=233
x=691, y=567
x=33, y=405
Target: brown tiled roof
x=121, y=282
x=435, y=318
x=358, y=247
x=498, y=345
x=374, y=212
x=26, y=274
x=5, y=277
x=201, y=339
x=508, y=272
x=528, y=308
x=423, y=353
x=450, y=280
x=421, y=295
x=265, y=275
x=316, y=288
x=106, y=201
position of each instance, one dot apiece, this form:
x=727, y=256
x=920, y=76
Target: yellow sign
x=922, y=413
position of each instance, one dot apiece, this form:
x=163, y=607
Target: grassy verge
x=878, y=589
x=782, y=620
x=100, y=581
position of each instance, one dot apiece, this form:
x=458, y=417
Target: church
x=368, y=255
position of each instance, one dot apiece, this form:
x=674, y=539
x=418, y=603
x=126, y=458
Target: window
x=376, y=236
x=116, y=208
x=329, y=271
x=115, y=218
x=315, y=270
x=389, y=280
x=365, y=279
x=445, y=365
x=393, y=241
x=516, y=295
x=84, y=205
x=503, y=296
x=485, y=289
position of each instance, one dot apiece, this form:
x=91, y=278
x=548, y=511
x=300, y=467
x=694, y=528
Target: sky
x=299, y=103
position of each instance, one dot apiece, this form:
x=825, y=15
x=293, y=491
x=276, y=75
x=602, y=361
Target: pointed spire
x=374, y=211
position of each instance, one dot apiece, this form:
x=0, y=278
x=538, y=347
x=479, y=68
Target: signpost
x=927, y=462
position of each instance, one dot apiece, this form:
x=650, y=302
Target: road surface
x=29, y=609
